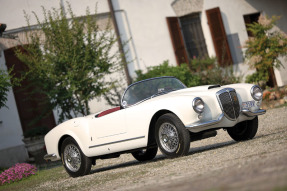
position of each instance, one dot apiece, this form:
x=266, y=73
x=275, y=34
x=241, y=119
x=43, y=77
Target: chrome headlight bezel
x=198, y=105
x=256, y=93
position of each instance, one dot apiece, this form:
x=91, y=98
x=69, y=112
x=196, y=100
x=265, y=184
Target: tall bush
x=265, y=48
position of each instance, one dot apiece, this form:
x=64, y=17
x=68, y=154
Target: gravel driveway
x=217, y=163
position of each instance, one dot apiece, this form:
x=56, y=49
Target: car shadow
x=205, y=148
x=126, y=164
x=161, y=157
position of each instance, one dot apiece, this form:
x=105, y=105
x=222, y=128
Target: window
x=249, y=19
x=193, y=35
x=187, y=37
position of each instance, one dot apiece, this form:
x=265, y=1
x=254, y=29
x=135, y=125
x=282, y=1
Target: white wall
x=12, y=149
x=148, y=32
x=11, y=12
x=10, y=128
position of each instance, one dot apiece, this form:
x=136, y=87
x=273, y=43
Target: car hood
x=196, y=90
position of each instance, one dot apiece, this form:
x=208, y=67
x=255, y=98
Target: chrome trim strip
x=205, y=124
x=50, y=157
x=116, y=142
x=249, y=113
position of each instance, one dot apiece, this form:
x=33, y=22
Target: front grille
x=229, y=103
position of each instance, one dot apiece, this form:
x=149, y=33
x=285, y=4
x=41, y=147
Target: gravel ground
x=217, y=163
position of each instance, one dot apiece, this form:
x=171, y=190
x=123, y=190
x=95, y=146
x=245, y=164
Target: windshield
x=149, y=88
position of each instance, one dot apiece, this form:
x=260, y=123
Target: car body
x=158, y=112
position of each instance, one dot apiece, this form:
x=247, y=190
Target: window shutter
x=177, y=40
x=219, y=36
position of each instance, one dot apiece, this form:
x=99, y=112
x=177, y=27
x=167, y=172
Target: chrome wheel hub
x=72, y=157
x=168, y=137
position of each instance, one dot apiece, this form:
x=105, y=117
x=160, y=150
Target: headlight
x=256, y=93
x=198, y=105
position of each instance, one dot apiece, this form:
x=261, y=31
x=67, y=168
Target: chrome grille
x=229, y=103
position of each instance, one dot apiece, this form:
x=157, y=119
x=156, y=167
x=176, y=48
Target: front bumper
x=51, y=157
x=201, y=126
x=255, y=113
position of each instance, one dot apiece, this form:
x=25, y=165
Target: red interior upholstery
x=108, y=111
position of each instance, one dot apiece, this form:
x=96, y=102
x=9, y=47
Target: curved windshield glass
x=149, y=88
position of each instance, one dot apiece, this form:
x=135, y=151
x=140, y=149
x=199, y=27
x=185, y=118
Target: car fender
x=76, y=128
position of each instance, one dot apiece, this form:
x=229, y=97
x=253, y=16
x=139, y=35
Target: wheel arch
x=151, y=133
x=61, y=142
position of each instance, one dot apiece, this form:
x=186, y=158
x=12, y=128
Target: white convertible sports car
x=158, y=112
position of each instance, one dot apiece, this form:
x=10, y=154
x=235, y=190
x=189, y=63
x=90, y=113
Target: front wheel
x=244, y=130
x=74, y=160
x=145, y=154
x=171, y=136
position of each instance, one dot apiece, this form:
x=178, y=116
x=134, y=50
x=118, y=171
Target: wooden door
x=32, y=109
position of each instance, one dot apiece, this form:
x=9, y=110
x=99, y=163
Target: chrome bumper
x=50, y=157
x=196, y=127
x=252, y=114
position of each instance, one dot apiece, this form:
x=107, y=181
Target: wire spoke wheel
x=168, y=137
x=72, y=157
x=171, y=136
x=76, y=163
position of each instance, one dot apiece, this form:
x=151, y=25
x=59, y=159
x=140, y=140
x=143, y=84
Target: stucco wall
x=11, y=133
x=148, y=31
x=11, y=12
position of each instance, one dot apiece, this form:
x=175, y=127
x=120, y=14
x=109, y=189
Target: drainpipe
x=128, y=77
x=131, y=36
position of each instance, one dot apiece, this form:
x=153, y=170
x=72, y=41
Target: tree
x=4, y=87
x=68, y=59
x=6, y=82
x=265, y=48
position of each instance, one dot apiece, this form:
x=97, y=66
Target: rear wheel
x=171, y=135
x=74, y=160
x=145, y=154
x=244, y=131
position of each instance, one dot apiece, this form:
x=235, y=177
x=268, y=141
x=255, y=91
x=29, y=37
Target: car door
x=111, y=126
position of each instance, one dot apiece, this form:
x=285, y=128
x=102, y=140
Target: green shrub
x=211, y=73
x=181, y=72
x=197, y=72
